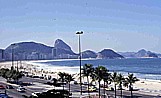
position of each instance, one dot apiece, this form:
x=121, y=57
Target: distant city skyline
x=120, y=25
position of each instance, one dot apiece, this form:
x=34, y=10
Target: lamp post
x=79, y=33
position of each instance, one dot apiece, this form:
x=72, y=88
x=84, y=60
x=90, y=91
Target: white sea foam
x=57, y=68
x=75, y=69
x=144, y=76
x=54, y=68
x=62, y=60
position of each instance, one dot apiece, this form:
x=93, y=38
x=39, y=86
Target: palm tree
x=87, y=71
x=62, y=77
x=99, y=71
x=3, y=72
x=114, y=80
x=129, y=81
x=120, y=79
x=106, y=78
x=68, y=79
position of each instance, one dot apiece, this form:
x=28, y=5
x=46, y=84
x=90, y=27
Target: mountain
x=144, y=53
x=140, y=54
x=61, y=45
x=89, y=54
x=38, y=51
x=28, y=50
x=28, y=47
x=108, y=53
x=34, y=51
x=127, y=54
x=63, y=50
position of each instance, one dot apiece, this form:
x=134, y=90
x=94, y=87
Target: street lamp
x=79, y=33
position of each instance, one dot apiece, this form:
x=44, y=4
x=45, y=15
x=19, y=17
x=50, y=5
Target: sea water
x=145, y=68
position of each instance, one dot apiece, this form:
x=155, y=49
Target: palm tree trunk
x=120, y=85
x=107, y=84
x=88, y=86
x=104, y=89
x=99, y=89
x=63, y=84
x=115, y=90
x=69, y=87
x=121, y=91
x=131, y=91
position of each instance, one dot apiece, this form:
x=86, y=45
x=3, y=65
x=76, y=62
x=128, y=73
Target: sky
x=121, y=25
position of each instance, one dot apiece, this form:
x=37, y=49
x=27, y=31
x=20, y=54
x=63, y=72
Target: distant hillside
x=34, y=51
x=127, y=54
x=28, y=50
x=140, y=54
x=108, y=53
x=28, y=47
x=38, y=51
x=144, y=53
x=89, y=54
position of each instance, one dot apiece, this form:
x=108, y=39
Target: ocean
x=145, y=68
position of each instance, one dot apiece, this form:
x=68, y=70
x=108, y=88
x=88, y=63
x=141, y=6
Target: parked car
x=41, y=77
x=3, y=95
x=85, y=83
x=2, y=87
x=36, y=94
x=35, y=76
x=109, y=89
x=9, y=87
x=75, y=82
x=21, y=89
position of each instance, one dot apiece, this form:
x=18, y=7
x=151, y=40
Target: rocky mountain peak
x=89, y=54
x=108, y=53
x=61, y=44
x=142, y=51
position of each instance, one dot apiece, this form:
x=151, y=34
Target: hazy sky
x=122, y=25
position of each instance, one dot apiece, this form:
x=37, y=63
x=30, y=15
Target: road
x=39, y=86
x=13, y=93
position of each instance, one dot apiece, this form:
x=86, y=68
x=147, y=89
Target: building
x=1, y=54
x=54, y=53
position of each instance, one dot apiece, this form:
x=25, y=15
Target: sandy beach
x=145, y=86
x=149, y=87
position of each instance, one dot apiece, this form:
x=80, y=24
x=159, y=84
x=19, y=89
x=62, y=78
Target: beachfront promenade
x=39, y=86
x=147, y=89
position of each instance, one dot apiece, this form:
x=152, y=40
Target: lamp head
x=81, y=32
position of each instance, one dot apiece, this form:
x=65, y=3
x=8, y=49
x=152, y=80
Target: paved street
x=36, y=87
x=39, y=86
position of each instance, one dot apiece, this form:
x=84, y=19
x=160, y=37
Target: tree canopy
x=10, y=74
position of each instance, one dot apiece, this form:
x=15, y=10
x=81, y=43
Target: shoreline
x=145, y=86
